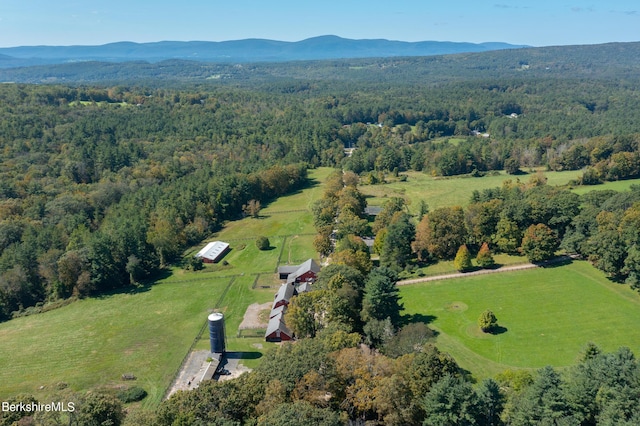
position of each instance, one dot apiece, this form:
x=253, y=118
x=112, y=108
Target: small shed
x=213, y=252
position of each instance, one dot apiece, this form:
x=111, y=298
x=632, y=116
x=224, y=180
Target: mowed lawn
x=546, y=316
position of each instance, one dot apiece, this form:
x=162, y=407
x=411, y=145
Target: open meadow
x=618, y=185
x=148, y=331
x=546, y=316
x=92, y=342
x=448, y=191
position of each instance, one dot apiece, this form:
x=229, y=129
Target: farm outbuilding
x=277, y=330
x=284, y=294
x=213, y=252
x=305, y=272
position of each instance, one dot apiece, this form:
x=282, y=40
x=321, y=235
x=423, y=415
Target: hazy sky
x=536, y=23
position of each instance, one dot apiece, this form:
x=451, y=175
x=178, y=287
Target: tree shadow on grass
x=414, y=318
x=556, y=262
x=496, y=330
x=141, y=287
x=494, y=266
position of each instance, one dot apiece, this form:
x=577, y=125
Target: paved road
x=486, y=271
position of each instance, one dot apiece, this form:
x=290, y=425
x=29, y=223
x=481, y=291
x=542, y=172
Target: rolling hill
x=248, y=50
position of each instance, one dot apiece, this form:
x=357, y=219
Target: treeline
x=555, y=124
x=83, y=243
x=329, y=381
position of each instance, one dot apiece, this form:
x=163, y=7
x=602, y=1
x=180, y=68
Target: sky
x=534, y=23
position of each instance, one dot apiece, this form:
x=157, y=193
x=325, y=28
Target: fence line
x=195, y=341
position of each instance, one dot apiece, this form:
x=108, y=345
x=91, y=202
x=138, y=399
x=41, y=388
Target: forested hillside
x=606, y=61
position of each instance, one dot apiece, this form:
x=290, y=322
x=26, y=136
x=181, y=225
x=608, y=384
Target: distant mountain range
x=249, y=50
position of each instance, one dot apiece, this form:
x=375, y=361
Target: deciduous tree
x=487, y=321
x=539, y=243
x=441, y=232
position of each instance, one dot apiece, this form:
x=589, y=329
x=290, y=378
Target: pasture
x=148, y=331
x=546, y=316
x=449, y=191
x=618, y=185
x=92, y=342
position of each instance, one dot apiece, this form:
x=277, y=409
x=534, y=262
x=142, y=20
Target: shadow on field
x=414, y=318
x=497, y=330
x=243, y=355
x=557, y=262
x=141, y=287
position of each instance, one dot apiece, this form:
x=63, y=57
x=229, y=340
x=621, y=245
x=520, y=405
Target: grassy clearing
x=441, y=192
x=547, y=316
x=619, y=185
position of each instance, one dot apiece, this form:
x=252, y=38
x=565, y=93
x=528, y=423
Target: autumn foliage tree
x=441, y=233
x=484, y=258
x=539, y=243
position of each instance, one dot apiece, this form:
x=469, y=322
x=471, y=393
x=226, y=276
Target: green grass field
x=619, y=185
x=147, y=332
x=92, y=342
x=547, y=316
x=442, y=192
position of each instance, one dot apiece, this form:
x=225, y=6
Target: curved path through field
x=486, y=271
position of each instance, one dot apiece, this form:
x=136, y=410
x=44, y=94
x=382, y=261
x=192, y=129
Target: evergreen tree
x=484, y=257
x=396, y=249
x=451, y=401
x=490, y=403
x=381, y=296
x=462, y=262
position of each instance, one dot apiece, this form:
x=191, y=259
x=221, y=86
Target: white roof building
x=213, y=251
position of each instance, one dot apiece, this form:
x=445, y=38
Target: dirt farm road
x=511, y=268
